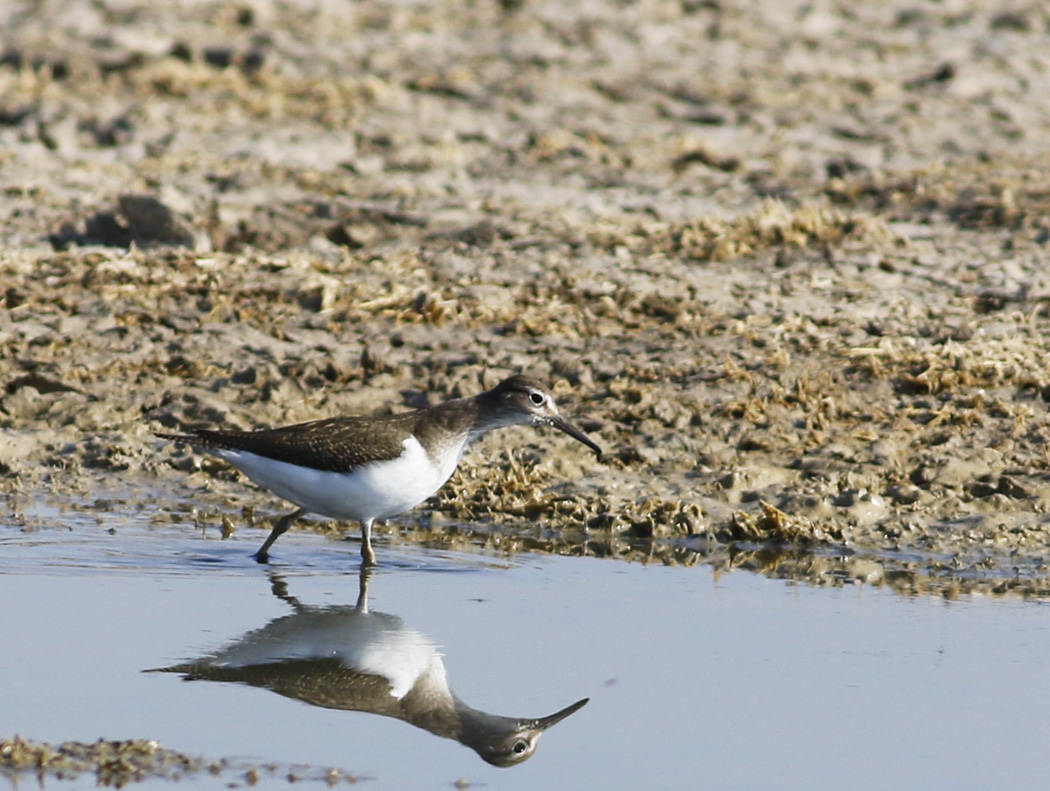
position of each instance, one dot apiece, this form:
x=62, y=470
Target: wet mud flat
x=787, y=263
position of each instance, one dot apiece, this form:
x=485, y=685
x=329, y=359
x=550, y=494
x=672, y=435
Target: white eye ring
x=537, y=398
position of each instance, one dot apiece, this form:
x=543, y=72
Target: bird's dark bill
x=544, y=723
x=575, y=433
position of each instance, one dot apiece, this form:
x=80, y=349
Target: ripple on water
x=54, y=541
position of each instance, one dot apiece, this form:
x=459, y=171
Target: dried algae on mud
x=795, y=286
x=117, y=764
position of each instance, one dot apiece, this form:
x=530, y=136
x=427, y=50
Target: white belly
x=373, y=491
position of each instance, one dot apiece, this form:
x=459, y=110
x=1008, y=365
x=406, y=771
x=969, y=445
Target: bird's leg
x=263, y=555
x=362, y=589
x=368, y=556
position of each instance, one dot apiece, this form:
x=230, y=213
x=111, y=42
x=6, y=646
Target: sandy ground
x=786, y=261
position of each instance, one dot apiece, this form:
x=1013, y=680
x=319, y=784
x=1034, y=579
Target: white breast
x=372, y=491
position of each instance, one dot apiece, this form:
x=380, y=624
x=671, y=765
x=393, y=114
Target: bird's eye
x=520, y=746
x=537, y=398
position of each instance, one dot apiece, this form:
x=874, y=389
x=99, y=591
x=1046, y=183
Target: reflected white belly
x=373, y=491
x=374, y=643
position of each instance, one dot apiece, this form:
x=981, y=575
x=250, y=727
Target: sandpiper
x=357, y=659
x=368, y=468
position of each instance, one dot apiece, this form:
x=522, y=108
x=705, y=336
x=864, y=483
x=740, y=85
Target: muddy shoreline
x=786, y=263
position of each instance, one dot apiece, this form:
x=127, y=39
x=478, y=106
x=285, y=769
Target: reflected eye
x=520, y=746
x=536, y=398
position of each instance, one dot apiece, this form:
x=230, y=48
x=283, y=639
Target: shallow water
x=728, y=681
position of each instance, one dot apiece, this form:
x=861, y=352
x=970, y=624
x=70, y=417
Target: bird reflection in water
x=351, y=658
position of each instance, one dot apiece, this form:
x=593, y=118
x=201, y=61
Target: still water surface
x=695, y=680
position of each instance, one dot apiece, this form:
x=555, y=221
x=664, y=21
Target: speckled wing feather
x=337, y=444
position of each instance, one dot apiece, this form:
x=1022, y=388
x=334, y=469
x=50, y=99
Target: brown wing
x=321, y=682
x=337, y=444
